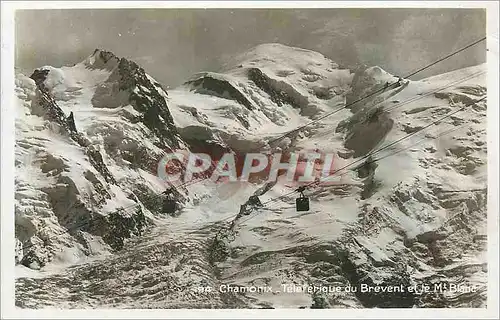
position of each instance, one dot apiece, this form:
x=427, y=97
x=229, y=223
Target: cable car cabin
x=169, y=206
x=302, y=202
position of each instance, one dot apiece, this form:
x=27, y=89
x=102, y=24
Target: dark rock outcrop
x=280, y=92
x=46, y=107
x=39, y=76
x=129, y=84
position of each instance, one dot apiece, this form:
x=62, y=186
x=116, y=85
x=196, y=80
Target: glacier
x=90, y=232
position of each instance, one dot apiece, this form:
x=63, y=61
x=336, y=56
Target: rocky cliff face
x=413, y=215
x=129, y=84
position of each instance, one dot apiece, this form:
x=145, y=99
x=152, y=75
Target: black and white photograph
x=228, y=156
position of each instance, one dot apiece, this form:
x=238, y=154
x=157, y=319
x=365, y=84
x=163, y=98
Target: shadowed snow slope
x=417, y=216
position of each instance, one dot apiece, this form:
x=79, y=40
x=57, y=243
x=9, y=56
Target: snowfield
x=416, y=216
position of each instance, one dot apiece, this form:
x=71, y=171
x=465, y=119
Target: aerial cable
x=419, y=142
x=441, y=134
x=186, y=184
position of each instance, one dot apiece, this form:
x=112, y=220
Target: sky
x=173, y=44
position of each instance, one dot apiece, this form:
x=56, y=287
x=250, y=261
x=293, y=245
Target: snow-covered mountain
x=89, y=138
